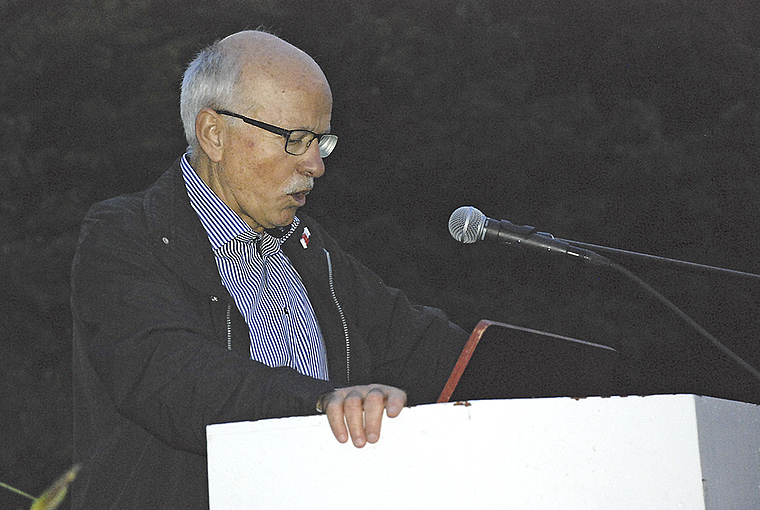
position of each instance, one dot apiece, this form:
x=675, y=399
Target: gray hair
x=209, y=82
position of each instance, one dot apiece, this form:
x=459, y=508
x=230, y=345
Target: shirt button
x=165, y=240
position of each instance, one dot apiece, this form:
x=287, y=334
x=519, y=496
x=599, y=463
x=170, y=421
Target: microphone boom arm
x=683, y=263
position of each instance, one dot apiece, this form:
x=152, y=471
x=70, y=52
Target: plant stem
x=13, y=489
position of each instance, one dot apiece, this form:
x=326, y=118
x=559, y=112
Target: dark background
x=634, y=125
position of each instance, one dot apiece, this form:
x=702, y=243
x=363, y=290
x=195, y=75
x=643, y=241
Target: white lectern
x=655, y=452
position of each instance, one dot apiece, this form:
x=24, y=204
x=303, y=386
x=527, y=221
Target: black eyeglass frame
x=324, y=150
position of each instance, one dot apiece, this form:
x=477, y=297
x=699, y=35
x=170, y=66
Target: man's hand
x=361, y=409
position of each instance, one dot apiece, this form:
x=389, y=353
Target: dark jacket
x=161, y=351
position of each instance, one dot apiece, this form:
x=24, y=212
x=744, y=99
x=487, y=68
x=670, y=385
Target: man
x=205, y=299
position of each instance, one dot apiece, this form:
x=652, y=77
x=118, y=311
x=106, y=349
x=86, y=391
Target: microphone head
x=466, y=224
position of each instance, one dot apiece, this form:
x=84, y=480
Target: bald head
x=268, y=54
x=247, y=71
x=270, y=69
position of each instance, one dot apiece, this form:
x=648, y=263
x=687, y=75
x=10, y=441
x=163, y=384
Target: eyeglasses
x=297, y=141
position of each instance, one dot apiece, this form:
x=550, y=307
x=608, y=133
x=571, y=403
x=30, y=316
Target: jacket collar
x=183, y=246
x=182, y=243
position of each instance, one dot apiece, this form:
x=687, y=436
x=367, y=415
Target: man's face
x=255, y=177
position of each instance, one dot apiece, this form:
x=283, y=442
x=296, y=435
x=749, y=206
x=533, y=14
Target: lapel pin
x=305, y=238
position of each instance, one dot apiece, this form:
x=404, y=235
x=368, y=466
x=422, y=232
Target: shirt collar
x=222, y=224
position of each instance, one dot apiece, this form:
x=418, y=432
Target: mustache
x=299, y=187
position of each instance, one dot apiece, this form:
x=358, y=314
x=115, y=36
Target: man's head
x=258, y=76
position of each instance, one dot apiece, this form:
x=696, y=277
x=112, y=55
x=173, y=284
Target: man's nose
x=311, y=163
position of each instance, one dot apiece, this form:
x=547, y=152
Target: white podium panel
x=655, y=452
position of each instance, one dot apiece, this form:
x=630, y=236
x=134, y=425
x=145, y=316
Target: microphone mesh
x=466, y=224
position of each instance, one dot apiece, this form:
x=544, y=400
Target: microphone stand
x=467, y=224
x=702, y=331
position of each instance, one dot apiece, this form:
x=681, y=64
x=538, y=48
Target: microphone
x=468, y=225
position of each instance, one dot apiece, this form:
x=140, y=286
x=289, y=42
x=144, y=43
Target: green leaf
x=55, y=493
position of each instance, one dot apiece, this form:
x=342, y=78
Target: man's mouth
x=300, y=196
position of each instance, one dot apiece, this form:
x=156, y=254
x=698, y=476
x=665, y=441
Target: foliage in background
x=54, y=495
x=627, y=124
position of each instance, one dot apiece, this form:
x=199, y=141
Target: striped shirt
x=266, y=288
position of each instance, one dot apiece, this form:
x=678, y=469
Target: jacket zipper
x=229, y=326
x=342, y=316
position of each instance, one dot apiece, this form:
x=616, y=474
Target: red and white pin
x=305, y=238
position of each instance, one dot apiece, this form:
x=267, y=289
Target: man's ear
x=209, y=128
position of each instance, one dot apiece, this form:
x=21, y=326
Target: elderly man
x=205, y=299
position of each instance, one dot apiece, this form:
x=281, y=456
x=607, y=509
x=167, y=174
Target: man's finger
x=353, y=410
x=333, y=407
x=374, y=405
x=395, y=402
x=357, y=412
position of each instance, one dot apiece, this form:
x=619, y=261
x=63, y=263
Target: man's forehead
x=289, y=74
